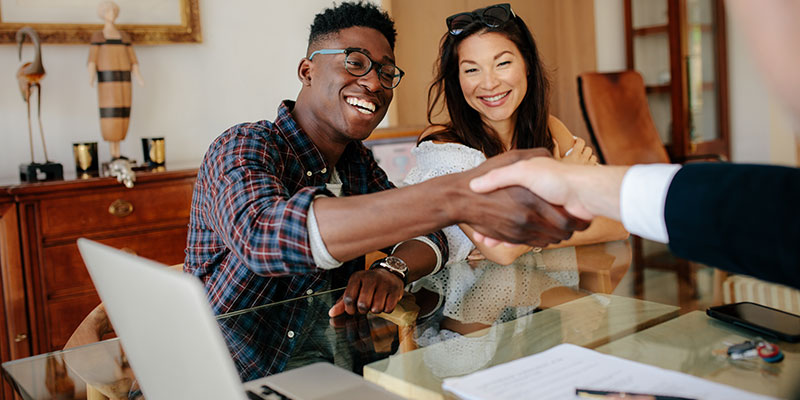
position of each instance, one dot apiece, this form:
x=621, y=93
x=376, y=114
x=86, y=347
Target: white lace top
x=484, y=291
x=437, y=159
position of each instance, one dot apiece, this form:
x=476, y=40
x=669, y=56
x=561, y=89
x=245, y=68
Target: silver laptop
x=175, y=346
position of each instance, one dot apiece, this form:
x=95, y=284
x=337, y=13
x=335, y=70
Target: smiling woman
x=491, y=81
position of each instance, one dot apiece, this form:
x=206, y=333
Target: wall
x=244, y=67
x=609, y=23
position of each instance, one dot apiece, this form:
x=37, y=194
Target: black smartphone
x=762, y=319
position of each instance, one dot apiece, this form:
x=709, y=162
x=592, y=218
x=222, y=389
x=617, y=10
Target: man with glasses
x=288, y=208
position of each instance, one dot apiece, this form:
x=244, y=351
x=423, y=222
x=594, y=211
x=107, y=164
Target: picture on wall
x=73, y=21
x=394, y=156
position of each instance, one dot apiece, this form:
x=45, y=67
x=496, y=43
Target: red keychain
x=769, y=352
x=751, y=349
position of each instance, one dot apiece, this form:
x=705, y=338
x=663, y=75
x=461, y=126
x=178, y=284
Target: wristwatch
x=395, y=265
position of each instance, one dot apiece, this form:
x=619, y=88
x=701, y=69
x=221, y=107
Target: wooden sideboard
x=45, y=286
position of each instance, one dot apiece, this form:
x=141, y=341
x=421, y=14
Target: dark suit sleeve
x=740, y=218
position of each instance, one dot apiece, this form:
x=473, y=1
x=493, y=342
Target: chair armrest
x=405, y=313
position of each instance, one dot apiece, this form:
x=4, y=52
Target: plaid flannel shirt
x=248, y=238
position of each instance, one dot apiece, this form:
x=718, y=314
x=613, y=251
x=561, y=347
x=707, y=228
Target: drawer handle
x=20, y=337
x=120, y=208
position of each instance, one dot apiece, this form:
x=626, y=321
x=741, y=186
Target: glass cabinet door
x=651, y=57
x=700, y=64
x=679, y=48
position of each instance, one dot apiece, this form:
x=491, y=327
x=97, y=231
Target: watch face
x=396, y=264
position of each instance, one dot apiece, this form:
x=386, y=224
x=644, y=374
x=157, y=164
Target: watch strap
x=402, y=273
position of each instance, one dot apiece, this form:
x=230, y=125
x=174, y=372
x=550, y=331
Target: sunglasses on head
x=492, y=16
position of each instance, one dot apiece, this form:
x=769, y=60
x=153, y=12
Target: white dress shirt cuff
x=319, y=251
x=642, y=199
x=426, y=240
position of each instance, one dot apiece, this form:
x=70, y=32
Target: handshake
x=539, y=200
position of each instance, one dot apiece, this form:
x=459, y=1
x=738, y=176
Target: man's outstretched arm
x=584, y=191
x=734, y=217
x=352, y=225
x=634, y=195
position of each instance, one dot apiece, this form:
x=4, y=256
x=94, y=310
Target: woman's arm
x=602, y=229
x=563, y=140
x=568, y=148
x=503, y=255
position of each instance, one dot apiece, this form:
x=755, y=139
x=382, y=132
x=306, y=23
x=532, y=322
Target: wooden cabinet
x=12, y=314
x=46, y=289
x=679, y=47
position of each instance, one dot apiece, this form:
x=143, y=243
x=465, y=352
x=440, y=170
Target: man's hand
x=542, y=176
x=514, y=214
x=376, y=290
x=583, y=191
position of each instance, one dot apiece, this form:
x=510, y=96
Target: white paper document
x=557, y=372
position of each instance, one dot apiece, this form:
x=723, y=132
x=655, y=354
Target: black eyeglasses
x=359, y=64
x=492, y=16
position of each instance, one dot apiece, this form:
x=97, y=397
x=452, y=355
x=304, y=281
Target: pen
x=606, y=394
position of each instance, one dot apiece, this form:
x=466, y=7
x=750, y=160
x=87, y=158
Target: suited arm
x=741, y=218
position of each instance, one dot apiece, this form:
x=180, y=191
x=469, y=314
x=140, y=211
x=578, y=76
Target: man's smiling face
x=343, y=104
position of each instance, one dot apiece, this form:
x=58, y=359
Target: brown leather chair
x=617, y=115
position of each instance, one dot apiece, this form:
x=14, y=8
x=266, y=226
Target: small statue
x=122, y=170
x=29, y=76
x=111, y=64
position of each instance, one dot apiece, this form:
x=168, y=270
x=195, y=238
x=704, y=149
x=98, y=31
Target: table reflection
x=459, y=302
x=468, y=314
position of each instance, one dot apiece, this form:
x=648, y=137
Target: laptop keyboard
x=267, y=393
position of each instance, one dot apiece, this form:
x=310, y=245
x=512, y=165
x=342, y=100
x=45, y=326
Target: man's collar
x=304, y=147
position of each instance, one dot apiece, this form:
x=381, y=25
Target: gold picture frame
x=142, y=33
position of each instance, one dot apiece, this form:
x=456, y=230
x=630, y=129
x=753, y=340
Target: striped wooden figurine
x=112, y=58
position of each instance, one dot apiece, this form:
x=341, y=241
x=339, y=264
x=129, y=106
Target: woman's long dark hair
x=465, y=125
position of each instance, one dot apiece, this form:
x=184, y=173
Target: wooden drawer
x=64, y=272
x=64, y=315
x=115, y=208
x=51, y=292
x=68, y=291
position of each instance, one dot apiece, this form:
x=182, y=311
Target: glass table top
x=470, y=316
x=691, y=343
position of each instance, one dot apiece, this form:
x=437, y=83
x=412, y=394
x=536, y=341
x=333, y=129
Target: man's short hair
x=350, y=14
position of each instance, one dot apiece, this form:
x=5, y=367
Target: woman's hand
x=475, y=257
x=580, y=153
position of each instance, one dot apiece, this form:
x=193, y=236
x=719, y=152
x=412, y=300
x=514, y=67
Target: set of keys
x=753, y=349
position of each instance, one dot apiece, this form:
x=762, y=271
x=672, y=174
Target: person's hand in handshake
x=511, y=212
x=583, y=191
